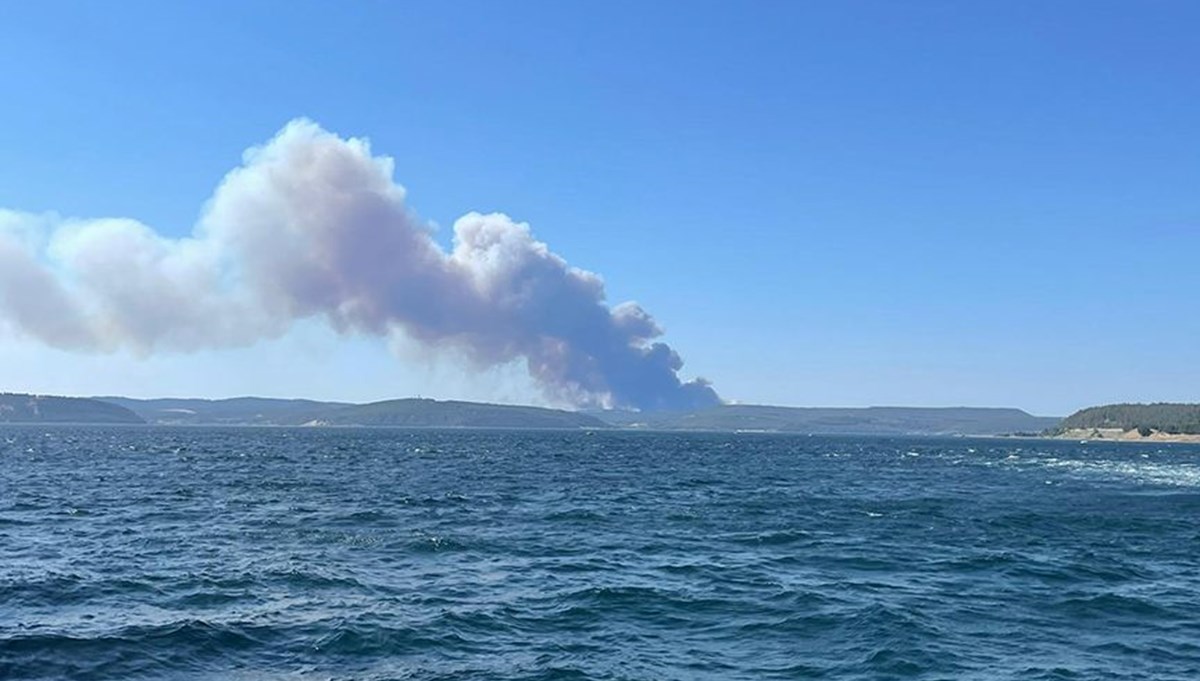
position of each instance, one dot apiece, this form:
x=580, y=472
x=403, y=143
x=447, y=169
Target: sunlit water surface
x=148, y=553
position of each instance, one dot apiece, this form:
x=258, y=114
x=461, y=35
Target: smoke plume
x=313, y=225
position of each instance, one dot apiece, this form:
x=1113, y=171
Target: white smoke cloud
x=312, y=225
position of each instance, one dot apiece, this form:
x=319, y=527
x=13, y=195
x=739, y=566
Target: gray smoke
x=314, y=225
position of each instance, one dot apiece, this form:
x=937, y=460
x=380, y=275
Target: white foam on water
x=1143, y=471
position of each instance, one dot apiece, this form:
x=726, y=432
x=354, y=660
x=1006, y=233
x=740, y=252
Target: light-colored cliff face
x=1116, y=434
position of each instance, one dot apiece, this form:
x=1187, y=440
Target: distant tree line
x=1165, y=417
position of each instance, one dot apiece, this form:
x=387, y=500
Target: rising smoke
x=312, y=225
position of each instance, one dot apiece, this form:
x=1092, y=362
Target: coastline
x=1120, y=435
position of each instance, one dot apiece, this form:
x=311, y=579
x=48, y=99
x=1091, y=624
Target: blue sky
x=842, y=203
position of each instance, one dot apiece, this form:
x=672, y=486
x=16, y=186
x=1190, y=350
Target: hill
x=20, y=408
x=412, y=413
x=1163, y=417
x=849, y=421
x=259, y=411
x=426, y=413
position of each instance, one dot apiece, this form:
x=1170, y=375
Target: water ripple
x=367, y=555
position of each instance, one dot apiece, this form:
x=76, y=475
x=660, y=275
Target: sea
x=373, y=554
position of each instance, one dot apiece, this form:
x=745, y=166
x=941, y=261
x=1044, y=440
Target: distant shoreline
x=1081, y=435
x=1120, y=435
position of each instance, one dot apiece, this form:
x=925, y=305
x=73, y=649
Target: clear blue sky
x=838, y=203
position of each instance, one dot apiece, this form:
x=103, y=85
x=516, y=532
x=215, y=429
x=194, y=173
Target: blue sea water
x=153, y=553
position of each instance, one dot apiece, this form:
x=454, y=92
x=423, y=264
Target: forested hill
x=833, y=420
x=233, y=411
x=1162, y=417
x=408, y=413
x=21, y=408
x=426, y=413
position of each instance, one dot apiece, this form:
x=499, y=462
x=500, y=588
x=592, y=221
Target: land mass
x=237, y=411
x=841, y=421
x=409, y=413
x=1158, y=422
x=426, y=413
x=456, y=414
x=21, y=408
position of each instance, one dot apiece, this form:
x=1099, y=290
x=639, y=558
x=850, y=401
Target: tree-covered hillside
x=1164, y=417
x=21, y=408
x=235, y=411
x=832, y=420
x=412, y=413
x=426, y=413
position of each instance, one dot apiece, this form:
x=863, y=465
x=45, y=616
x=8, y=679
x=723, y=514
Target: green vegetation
x=1175, y=419
x=20, y=408
x=833, y=421
x=424, y=413
x=237, y=411
x=408, y=413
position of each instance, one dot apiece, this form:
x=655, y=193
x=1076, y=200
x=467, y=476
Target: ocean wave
x=302, y=555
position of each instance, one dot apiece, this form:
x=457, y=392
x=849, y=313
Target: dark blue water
x=141, y=553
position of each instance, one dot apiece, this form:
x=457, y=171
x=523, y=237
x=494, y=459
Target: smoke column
x=313, y=225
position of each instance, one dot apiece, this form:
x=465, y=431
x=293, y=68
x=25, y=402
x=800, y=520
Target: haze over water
x=139, y=553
